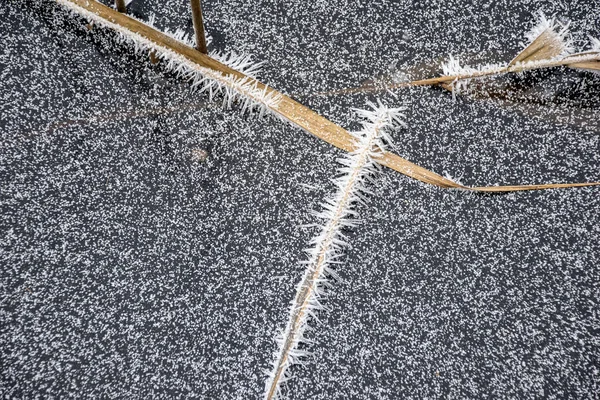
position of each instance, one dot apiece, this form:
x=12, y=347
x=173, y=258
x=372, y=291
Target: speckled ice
x=131, y=269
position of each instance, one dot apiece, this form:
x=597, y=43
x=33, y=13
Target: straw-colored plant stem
x=519, y=67
x=549, y=47
x=583, y=61
x=308, y=286
x=309, y=282
x=287, y=108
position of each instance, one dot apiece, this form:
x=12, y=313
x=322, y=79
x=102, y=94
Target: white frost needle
x=243, y=63
x=553, y=40
x=595, y=44
x=244, y=90
x=326, y=248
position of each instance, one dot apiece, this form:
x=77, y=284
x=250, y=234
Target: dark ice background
x=131, y=268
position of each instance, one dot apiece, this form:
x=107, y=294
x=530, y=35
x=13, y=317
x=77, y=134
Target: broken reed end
x=121, y=6
x=549, y=44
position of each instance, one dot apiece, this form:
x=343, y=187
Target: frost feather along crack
x=338, y=213
x=210, y=74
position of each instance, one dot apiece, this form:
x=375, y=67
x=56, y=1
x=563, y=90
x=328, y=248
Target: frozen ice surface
x=325, y=44
x=132, y=268
x=451, y=295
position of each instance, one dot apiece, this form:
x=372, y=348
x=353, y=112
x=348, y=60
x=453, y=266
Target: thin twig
x=198, y=26
x=120, y=5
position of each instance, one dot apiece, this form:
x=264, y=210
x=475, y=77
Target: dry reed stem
x=586, y=65
x=583, y=61
x=302, y=116
x=544, y=51
x=198, y=26
x=120, y=6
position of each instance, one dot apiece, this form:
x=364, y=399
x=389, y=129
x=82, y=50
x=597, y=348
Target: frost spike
x=593, y=66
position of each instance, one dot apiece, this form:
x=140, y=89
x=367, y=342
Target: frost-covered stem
x=198, y=26
x=120, y=5
x=570, y=61
x=309, y=282
x=326, y=244
x=520, y=67
x=232, y=83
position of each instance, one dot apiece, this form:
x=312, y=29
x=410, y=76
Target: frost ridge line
x=356, y=173
x=203, y=79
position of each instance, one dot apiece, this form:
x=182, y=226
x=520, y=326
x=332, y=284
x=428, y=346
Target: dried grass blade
x=287, y=108
x=588, y=66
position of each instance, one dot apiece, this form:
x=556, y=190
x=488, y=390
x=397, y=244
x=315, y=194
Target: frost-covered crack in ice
x=339, y=213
